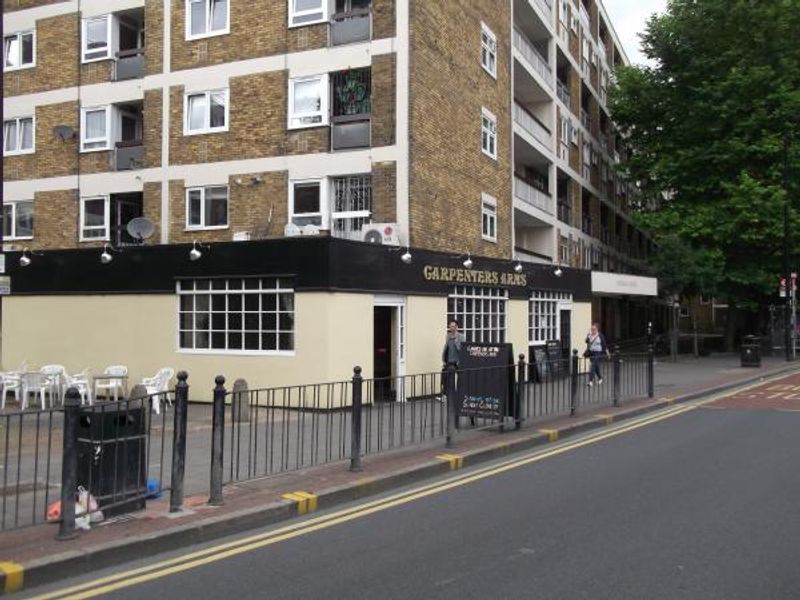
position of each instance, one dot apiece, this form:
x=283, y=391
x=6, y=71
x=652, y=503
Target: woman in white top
x=596, y=348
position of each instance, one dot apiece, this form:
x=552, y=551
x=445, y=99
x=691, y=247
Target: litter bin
x=112, y=455
x=751, y=351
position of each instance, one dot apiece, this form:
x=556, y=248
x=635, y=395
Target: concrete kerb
x=66, y=564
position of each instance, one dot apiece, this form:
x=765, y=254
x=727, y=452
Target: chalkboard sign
x=541, y=363
x=486, y=381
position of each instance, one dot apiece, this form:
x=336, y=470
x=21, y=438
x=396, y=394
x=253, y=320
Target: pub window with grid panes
x=252, y=314
x=543, y=317
x=480, y=312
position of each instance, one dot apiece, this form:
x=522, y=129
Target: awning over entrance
x=623, y=285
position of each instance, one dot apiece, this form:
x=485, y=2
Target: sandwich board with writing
x=486, y=381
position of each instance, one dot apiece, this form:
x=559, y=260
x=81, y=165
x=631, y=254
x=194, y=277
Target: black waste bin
x=112, y=455
x=751, y=351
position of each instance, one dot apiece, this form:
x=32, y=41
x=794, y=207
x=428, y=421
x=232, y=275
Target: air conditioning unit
x=241, y=236
x=381, y=233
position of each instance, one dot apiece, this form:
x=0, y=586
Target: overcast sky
x=628, y=18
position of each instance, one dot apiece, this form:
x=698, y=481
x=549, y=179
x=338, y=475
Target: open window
x=205, y=18
x=308, y=101
x=19, y=50
x=96, y=38
x=205, y=112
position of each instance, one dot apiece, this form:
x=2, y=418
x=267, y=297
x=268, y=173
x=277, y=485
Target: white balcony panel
x=533, y=197
x=535, y=61
x=534, y=129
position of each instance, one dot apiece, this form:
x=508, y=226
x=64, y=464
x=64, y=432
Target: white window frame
x=544, y=315
x=187, y=287
x=476, y=324
x=202, y=226
x=18, y=150
x=108, y=54
x=106, y=227
x=293, y=14
x=13, y=235
x=323, y=111
x=18, y=35
x=489, y=133
x=209, y=33
x=488, y=50
x=324, y=197
x=106, y=139
x=488, y=215
x=207, y=120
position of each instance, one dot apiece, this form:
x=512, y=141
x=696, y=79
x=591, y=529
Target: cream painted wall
x=517, y=327
x=426, y=330
x=581, y=323
x=139, y=331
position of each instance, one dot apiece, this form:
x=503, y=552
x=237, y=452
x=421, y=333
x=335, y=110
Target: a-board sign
x=486, y=381
x=540, y=362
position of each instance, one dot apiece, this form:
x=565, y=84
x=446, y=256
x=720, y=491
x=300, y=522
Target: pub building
x=280, y=312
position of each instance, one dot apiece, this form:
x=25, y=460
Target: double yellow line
x=219, y=552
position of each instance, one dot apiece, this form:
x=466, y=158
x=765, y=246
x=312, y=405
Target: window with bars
x=543, y=315
x=480, y=312
x=352, y=93
x=351, y=205
x=252, y=314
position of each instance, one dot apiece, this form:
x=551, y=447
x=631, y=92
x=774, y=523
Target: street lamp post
x=787, y=320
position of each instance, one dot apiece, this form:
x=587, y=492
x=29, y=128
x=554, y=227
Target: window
x=543, y=315
x=488, y=50
x=207, y=207
x=308, y=102
x=573, y=134
x=563, y=11
x=18, y=220
x=96, y=38
x=94, y=218
x=488, y=134
x=19, y=51
x=488, y=218
x=351, y=206
x=306, y=12
x=95, y=128
x=480, y=312
x=205, y=112
x=252, y=314
x=306, y=203
x=205, y=18
x=684, y=312
x=18, y=136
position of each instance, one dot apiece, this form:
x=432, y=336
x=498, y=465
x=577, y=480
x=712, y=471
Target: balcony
x=351, y=27
x=563, y=93
x=532, y=126
x=530, y=195
x=533, y=57
x=586, y=120
x=564, y=211
x=585, y=20
x=129, y=64
x=586, y=225
x=128, y=155
x=546, y=7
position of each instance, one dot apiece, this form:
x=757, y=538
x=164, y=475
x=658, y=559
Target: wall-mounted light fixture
x=518, y=267
x=25, y=258
x=406, y=256
x=195, y=253
x=558, y=272
x=106, y=256
x=467, y=262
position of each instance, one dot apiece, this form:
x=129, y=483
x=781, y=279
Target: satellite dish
x=65, y=132
x=140, y=228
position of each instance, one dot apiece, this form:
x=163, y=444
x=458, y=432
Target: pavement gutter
x=52, y=568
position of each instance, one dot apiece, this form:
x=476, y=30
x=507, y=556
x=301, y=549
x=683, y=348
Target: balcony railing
x=586, y=120
x=532, y=55
x=350, y=27
x=563, y=92
x=530, y=195
x=130, y=64
x=565, y=211
x=586, y=225
x=546, y=7
x=128, y=155
x=585, y=21
x=532, y=125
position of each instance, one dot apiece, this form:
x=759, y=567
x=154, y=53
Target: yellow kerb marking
x=552, y=434
x=456, y=461
x=14, y=574
x=607, y=419
x=306, y=502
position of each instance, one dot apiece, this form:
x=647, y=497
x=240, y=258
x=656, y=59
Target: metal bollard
x=650, y=372
x=573, y=401
x=217, y=440
x=520, y=390
x=355, y=422
x=450, y=389
x=179, y=442
x=69, y=465
x=617, y=371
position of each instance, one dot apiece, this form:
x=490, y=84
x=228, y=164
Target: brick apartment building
x=272, y=139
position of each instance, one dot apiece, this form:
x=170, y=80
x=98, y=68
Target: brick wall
x=384, y=69
x=55, y=223
x=383, y=19
x=384, y=192
x=154, y=36
x=151, y=208
x=448, y=169
x=12, y=5
x=151, y=133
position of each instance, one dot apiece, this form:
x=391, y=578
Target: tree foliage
x=707, y=126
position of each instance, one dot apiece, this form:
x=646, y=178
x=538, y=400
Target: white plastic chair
x=79, y=381
x=110, y=385
x=157, y=384
x=34, y=383
x=55, y=375
x=9, y=382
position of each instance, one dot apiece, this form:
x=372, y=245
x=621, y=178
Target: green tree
x=706, y=128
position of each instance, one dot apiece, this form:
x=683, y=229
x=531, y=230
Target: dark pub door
x=382, y=359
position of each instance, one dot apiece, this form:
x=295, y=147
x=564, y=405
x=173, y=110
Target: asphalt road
x=702, y=505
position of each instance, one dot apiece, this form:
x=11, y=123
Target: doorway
x=565, y=330
x=388, y=348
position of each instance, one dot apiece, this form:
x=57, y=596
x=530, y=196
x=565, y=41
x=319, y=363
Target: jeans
x=595, y=358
